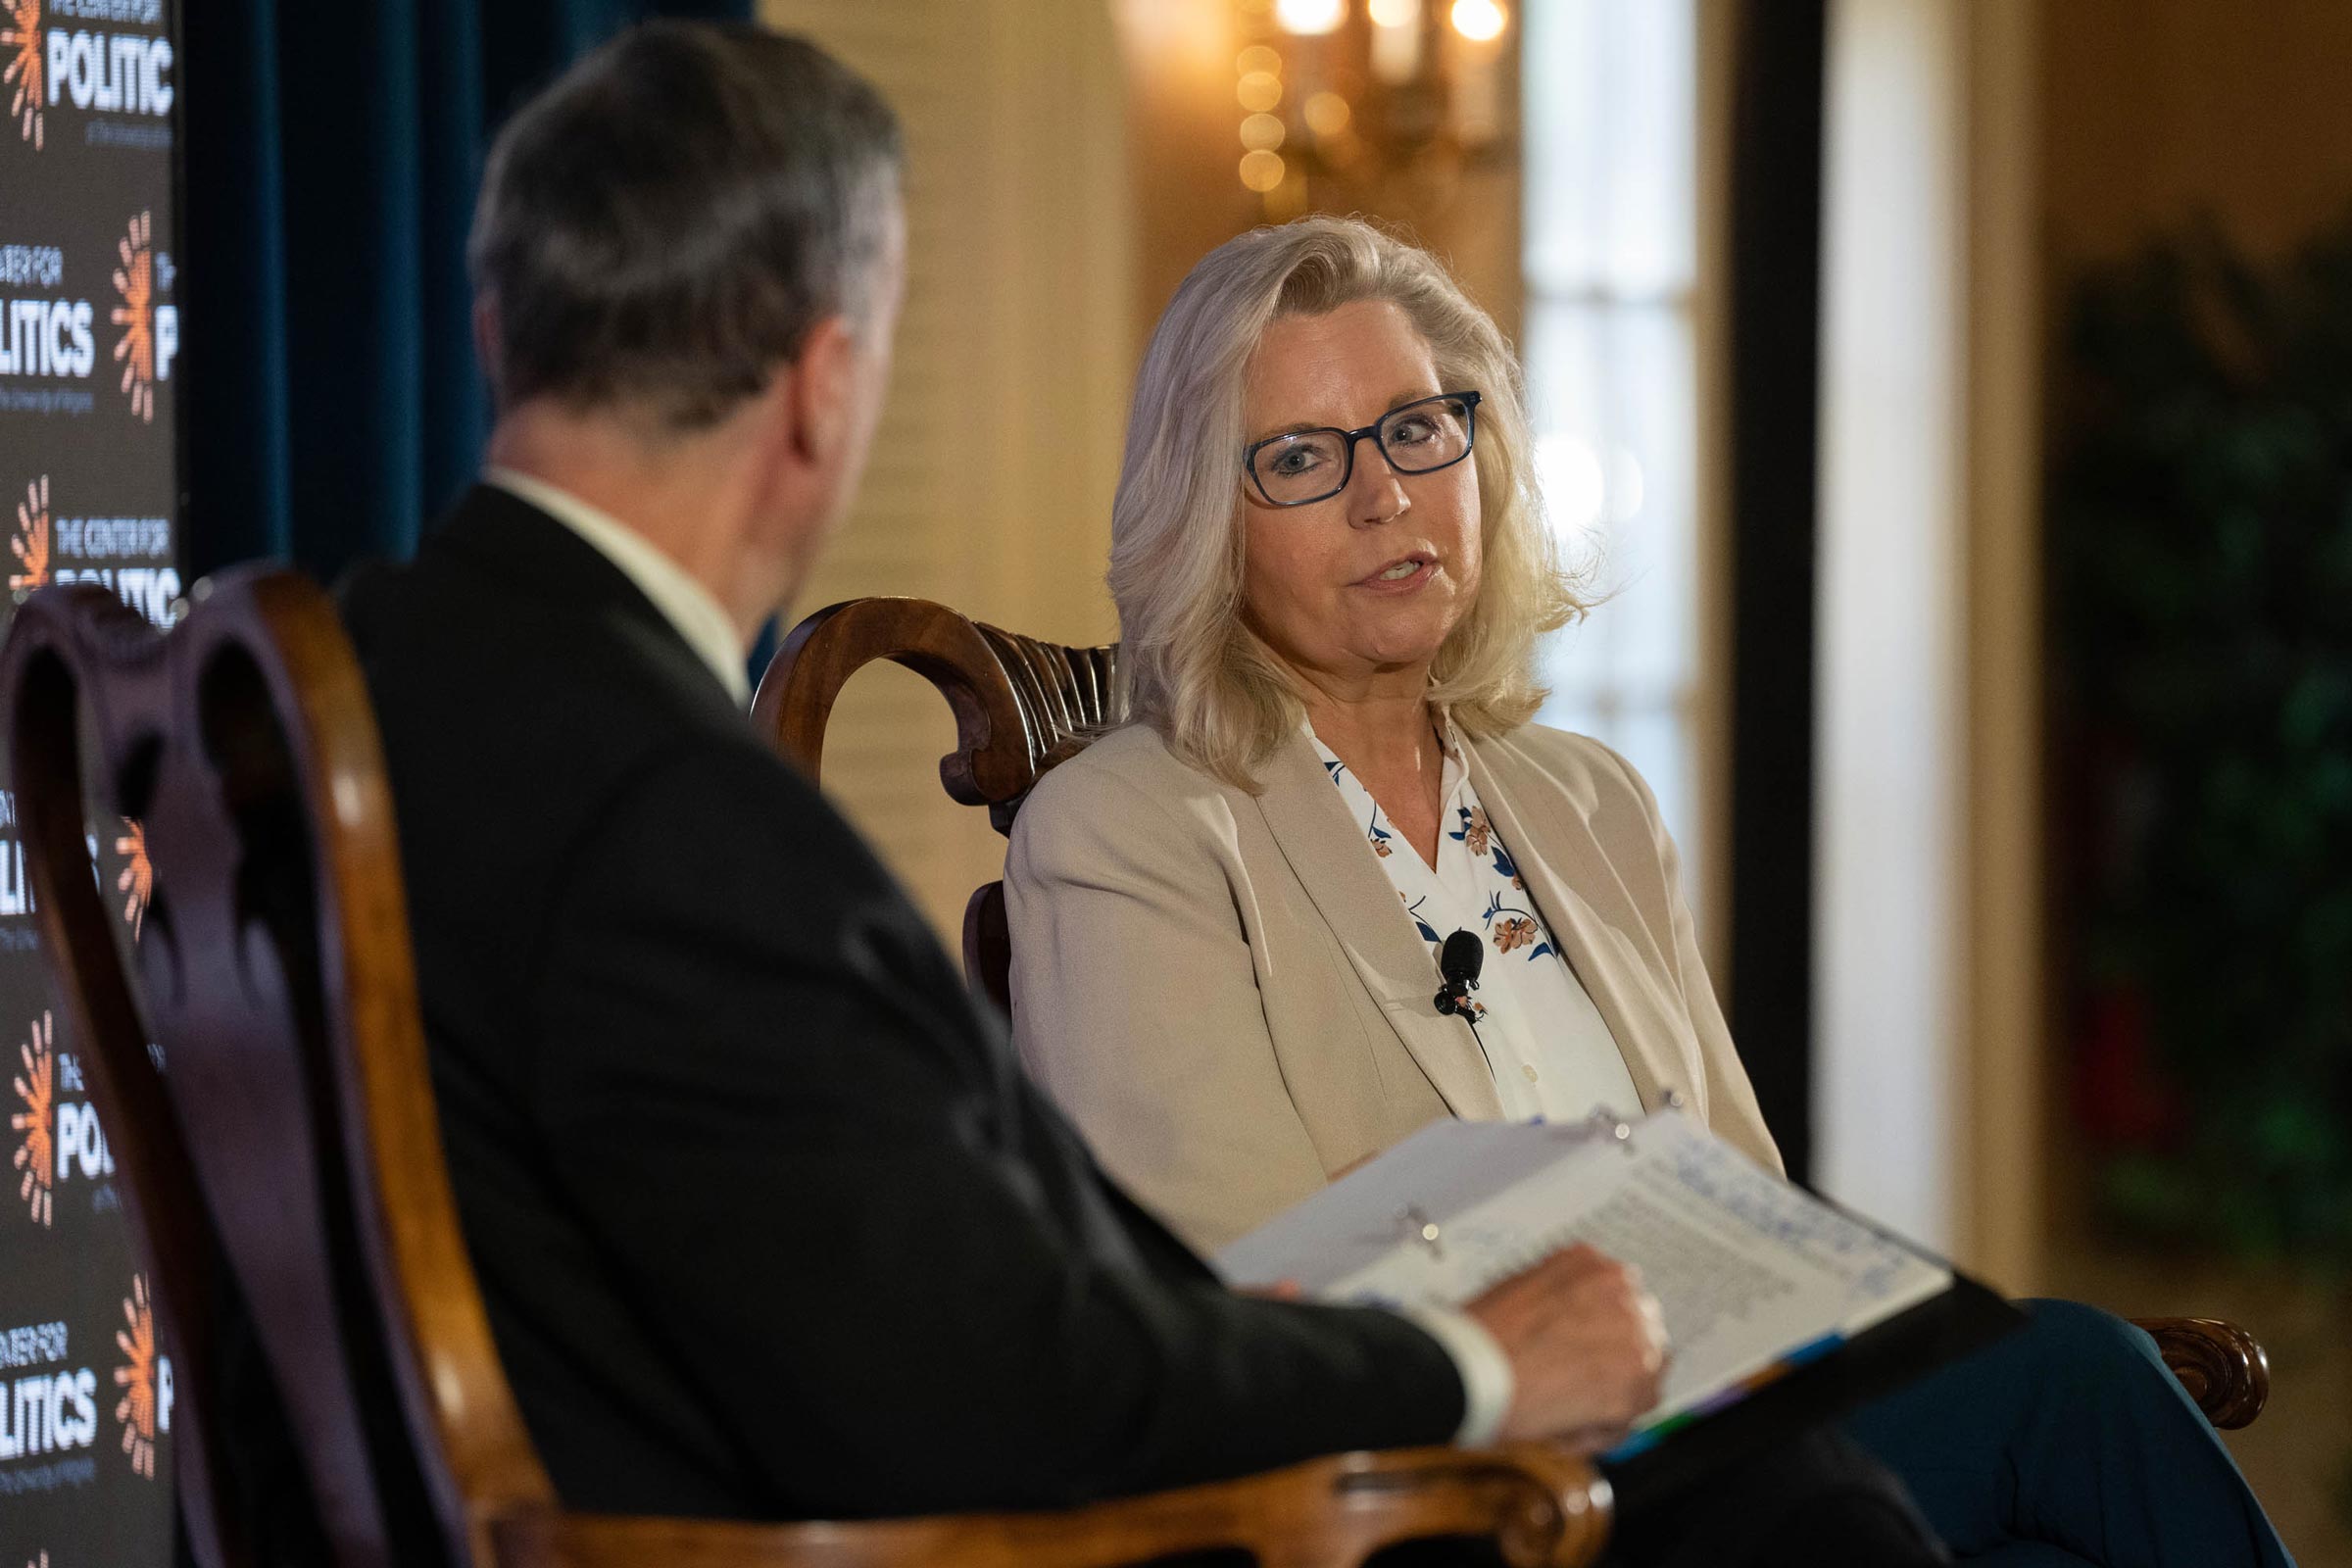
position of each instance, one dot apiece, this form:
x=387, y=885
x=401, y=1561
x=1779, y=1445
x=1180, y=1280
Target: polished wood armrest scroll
x=2223, y=1368
x=1543, y=1509
x=1022, y=706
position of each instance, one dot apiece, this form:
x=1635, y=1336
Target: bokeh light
x=1479, y=20
x=1327, y=114
x=1310, y=16
x=1262, y=170
x=1262, y=132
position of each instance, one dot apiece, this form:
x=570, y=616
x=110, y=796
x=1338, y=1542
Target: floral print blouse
x=1547, y=1046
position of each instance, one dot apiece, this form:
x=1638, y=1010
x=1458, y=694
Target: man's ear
x=823, y=379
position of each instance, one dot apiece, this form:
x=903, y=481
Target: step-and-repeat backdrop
x=89, y=333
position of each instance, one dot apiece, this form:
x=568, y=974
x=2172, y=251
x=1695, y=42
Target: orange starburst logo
x=36, y=1123
x=22, y=38
x=31, y=545
x=136, y=1377
x=136, y=881
x=134, y=280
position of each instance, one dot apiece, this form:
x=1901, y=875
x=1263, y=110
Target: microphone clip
x=1459, y=960
x=1454, y=998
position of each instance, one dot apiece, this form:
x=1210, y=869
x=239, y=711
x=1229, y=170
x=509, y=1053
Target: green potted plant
x=2201, y=536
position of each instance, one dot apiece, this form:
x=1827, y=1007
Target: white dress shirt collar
x=688, y=605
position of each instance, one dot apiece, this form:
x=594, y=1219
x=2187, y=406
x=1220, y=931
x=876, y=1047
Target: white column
x=1891, y=699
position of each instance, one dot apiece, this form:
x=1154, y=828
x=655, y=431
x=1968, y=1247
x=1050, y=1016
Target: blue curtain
x=332, y=152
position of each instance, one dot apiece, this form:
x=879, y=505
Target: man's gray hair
x=659, y=229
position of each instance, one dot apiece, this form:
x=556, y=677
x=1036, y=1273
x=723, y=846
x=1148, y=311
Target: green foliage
x=2200, y=527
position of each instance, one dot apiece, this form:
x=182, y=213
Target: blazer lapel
x=1327, y=852
x=1557, y=853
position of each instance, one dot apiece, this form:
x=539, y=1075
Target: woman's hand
x=1586, y=1346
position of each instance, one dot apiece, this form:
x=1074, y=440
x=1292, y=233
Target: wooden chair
x=1023, y=705
x=339, y=1396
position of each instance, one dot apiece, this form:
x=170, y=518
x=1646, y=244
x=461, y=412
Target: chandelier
x=1374, y=104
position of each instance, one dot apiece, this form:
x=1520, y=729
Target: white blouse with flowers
x=1547, y=1046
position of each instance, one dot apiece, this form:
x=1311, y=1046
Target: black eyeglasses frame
x=1349, y=438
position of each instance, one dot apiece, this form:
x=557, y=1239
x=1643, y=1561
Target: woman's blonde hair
x=1194, y=671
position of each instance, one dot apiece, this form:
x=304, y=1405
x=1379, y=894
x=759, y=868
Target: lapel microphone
x=1459, y=962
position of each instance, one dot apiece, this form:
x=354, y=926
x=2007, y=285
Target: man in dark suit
x=768, y=1221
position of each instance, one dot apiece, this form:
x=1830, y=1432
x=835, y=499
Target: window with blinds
x=1610, y=215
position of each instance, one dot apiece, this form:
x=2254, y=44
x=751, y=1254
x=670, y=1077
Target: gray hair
x=1195, y=669
x=661, y=226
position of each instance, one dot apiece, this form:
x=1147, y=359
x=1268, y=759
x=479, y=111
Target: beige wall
x=1177, y=60
x=2158, y=108
x=991, y=481
x=2009, y=1085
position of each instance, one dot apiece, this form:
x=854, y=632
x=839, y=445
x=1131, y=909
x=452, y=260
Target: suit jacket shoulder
x=1584, y=770
x=1135, y=756
x=1095, y=797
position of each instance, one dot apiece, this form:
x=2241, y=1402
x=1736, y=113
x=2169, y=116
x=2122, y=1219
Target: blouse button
x=1530, y=1071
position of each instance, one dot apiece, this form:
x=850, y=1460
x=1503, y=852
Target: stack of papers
x=1755, y=1276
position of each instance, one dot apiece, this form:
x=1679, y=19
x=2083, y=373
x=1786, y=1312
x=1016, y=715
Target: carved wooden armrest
x=2222, y=1366
x=1543, y=1507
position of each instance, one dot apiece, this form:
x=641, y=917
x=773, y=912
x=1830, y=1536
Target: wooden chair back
x=339, y=1396
x=274, y=937
x=1021, y=707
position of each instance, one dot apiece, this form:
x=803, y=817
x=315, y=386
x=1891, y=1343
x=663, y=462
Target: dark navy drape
x=330, y=155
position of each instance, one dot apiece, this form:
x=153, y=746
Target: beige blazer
x=1227, y=996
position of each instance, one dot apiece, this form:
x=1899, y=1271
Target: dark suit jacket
x=768, y=1220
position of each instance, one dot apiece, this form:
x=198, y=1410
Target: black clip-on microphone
x=1459, y=962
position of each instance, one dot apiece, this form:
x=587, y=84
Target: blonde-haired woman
x=1332, y=572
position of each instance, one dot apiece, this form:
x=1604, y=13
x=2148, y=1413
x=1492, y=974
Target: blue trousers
x=2069, y=1443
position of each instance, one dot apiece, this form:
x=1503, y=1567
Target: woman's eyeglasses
x=1306, y=466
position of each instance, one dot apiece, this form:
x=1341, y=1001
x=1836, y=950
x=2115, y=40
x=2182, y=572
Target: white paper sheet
x=1747, y=1268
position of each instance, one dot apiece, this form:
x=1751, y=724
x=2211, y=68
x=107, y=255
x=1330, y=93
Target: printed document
x=1754, y=1275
